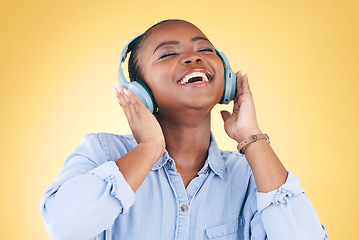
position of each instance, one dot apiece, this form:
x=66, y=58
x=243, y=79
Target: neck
x=187, y=140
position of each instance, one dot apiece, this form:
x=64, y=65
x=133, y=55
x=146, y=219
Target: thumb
x=225, y=115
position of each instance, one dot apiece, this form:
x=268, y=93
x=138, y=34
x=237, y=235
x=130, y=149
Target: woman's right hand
x=144, y=125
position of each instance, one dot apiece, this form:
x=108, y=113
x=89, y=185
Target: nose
x=192, y=58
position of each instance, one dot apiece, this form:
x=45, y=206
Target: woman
x=184, y=186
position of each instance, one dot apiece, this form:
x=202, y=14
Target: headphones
x=144, y=93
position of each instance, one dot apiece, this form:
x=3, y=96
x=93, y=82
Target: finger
x=117, y=90
x=236, y=103
x=239, y=73
x=120, y=89
x=124, y=102
x=239, y=83
x=245, y=84
x=236, y=106
x=114, y=90
x=129, y=93
x=137, y=101
x=132, y=104
x=117, y=99
x=225, y=115
x=126, y=97
x=120, y=98
x=116, y=94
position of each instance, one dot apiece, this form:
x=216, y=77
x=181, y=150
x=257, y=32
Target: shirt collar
x=162, y=161
x=214, y=159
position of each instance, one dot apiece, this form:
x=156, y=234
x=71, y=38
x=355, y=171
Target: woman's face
x=181, y=67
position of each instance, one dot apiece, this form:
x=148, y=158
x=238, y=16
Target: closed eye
x=168, y=54
x=206, y=50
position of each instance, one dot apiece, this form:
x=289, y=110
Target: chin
x=203, y=104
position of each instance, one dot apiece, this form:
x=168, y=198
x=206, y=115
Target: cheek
x=220, y=65
x=219, y=81
x=155, y=73
x=159, y=80
x=217, y=64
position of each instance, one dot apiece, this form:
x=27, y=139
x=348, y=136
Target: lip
x=205, y=71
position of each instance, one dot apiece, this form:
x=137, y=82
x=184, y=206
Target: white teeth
x=192, y=75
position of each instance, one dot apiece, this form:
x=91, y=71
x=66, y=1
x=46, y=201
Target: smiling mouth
x=194, y=77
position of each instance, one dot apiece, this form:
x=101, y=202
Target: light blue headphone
x=144, y=93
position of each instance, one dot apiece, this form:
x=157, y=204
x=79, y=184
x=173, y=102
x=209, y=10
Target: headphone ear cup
x=230, y=86
x=138, y=87
x=144, y=93
x=230, y=80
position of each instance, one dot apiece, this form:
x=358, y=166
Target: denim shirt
x=90, y=199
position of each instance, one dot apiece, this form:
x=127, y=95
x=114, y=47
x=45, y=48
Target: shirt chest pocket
x=228, y=231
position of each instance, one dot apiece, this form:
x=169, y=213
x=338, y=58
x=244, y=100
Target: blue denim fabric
x=90, y=199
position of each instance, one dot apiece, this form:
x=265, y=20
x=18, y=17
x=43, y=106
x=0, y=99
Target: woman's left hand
x=242, y=122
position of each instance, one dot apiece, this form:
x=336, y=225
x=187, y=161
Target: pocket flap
x=225, y=229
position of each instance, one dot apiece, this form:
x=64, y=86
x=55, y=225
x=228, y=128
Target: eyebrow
x=177, y=42
x=166, y=43
x=199, y=38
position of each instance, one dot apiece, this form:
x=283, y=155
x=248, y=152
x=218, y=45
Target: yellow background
x=59, y=60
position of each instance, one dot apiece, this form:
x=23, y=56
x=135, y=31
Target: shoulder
x=106, y=139
x=231, y=164
x=111, y=139
x=111, y=145
x=237, y=170
x=236, y=162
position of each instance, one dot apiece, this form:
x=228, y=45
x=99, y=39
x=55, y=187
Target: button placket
x=182, y=231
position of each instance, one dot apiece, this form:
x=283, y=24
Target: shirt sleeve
x=287, y=213
x=87, y=196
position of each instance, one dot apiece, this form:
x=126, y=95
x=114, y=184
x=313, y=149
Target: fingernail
x=125, y=91
x=114, y=89
x=241, y=72
x=118, y=88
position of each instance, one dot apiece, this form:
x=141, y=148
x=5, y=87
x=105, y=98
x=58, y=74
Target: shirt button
x=184, y=208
